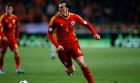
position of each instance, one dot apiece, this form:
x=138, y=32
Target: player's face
x=63, y=9
x=9, y=10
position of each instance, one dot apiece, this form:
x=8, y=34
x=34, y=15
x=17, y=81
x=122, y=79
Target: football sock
x=17, y=60
x=1, y=62
x=87, y=74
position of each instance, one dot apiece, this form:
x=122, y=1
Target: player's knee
x=16, y=52
x=83, y=65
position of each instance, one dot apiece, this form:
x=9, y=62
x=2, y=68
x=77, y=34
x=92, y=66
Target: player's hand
x=97, y=36
x=4, y=39
x=60, y=48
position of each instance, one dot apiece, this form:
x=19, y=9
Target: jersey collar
x=65, y=17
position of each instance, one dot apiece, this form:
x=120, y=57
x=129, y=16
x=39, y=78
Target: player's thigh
x=65, y=58
x=3, y=47
x=13, y=45
x=80, y=61
x=76, y=51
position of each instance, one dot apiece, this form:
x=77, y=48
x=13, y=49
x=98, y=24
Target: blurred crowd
x=110, y=17
x=96, y=11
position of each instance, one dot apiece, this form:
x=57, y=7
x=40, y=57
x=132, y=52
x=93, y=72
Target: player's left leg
x=17, y=60
x=85, y=69
x=14, y=47
x=78, y=56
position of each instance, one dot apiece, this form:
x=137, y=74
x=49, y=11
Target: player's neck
x=65, y=15
x=8, y=14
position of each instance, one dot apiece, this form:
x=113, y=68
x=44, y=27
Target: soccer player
x=61, y=34
x=10, y=30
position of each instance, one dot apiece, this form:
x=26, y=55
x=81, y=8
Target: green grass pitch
x=108, y=65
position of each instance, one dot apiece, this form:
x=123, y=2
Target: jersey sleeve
x=1, y=30
x=51, y=32
x=85, y=23
x=17, y=32
x=1, y=27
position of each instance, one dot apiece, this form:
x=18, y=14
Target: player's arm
x=51, y=30
x=1, y=27
x=89, y=26
x=1, y=30
x=17, y=33
x=52, y=38
x=4, y=38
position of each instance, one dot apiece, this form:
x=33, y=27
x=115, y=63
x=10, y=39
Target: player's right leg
x=1, y=62
x=67, y=61
x=2, y=54
x=85, y=69
x=78, y=56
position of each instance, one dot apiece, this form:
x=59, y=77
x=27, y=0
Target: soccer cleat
x=20, y=71
x=2, y=72
x=70, y=74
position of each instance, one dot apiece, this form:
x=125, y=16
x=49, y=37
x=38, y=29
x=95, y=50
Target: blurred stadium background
x=118, y=23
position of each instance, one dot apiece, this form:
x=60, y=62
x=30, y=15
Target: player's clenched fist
x=60, y=48
x=97, y=36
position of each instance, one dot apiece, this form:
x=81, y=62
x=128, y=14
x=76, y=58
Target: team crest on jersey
x=72, y=23
x=14, y=21
x=50, y=29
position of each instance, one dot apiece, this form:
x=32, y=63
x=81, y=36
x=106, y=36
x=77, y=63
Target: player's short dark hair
x=68, y=3
x=9, y=5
